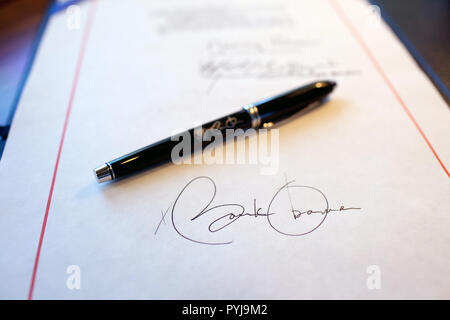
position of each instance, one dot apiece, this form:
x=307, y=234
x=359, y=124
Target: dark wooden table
x=426, y=26
x=19, y=24
x=20, y=21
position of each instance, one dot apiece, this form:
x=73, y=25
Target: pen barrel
x=178, y=147
x=181, y=147
x=283, y=106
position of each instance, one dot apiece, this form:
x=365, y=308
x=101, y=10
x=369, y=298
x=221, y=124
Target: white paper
x=150, y=69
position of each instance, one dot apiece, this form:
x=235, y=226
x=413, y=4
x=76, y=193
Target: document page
x=347, y=201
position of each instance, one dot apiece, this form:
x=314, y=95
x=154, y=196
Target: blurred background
x=422, y=25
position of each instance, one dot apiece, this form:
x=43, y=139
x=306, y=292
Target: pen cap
x=283, y=106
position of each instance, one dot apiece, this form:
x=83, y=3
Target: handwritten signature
x=216, y=69
x=295, y=223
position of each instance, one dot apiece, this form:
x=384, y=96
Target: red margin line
x=341, y=14
x=61, y=142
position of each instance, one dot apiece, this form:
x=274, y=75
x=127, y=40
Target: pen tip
x=103, y=173
x=331, y=84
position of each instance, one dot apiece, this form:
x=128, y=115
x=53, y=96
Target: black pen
x=261, y=114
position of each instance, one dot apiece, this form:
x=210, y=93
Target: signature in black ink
x=297, y=213
x=268, y=68
x=282, y=217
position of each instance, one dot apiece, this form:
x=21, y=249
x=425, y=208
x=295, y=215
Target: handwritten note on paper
x=361, y=183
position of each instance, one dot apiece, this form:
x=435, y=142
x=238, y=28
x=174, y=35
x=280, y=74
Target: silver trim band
x=254, y=115
x=111, y=170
